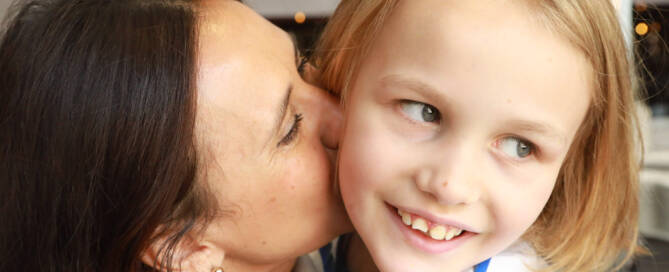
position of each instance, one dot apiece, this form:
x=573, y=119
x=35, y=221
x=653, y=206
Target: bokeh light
x=641, y=29
x=300, y=17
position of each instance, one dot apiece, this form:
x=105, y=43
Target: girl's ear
x=310, y=73
x=189, y=255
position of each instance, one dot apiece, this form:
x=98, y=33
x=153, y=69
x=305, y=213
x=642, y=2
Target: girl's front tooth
x=438, y=232
x=419, y=224
x=406, y=219
x=451, y=232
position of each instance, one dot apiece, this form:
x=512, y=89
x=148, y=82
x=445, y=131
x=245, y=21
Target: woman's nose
x=328, y=108
x=331, y=120
x=331, y=126
x=327, y=115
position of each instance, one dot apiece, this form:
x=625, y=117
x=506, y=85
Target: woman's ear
x=189, y=255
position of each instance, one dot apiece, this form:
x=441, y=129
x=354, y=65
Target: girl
x=477, y=127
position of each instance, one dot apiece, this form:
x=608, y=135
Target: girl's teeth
x=451, y=232
x=438, y=232
x=400, y=212
x=406, y=219
x=419, y=224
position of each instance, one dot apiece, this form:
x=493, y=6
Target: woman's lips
x=427, y=235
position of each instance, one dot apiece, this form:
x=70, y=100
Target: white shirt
x=518, y=257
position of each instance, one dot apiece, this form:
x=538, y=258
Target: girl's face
x=458, y=123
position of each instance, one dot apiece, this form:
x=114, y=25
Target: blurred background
x=646, y=23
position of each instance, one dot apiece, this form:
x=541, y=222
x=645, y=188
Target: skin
x=497, y=78
x=275, y=191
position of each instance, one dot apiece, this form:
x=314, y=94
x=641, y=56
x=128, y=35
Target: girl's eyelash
x=290, y=136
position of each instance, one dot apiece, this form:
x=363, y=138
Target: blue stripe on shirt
x=482, y=267
x=327, y=258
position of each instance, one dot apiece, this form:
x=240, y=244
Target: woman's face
x=266, y=139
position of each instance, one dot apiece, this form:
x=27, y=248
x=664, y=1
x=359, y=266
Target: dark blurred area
x=651, y=27
x=305, y=33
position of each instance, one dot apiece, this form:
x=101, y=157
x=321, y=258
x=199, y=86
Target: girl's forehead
x=509, y=67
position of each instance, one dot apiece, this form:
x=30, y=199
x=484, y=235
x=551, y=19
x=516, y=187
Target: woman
x=160, y=135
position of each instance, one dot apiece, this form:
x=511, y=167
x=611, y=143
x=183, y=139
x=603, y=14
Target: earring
x=217, y=269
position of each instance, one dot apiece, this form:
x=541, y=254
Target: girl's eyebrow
x=416, y=85
x=538, y=128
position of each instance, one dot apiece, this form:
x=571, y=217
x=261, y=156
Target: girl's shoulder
x=518, y=257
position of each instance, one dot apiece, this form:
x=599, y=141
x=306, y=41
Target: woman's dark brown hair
x=97, y=108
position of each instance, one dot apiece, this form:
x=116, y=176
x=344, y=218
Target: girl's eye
x=420, y=112
x=290, y=136
x=516, y=148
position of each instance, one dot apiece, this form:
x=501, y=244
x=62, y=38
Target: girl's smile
x=427, y=232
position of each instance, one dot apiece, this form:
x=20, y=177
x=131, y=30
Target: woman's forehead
x=245, y=65
x=229, y=29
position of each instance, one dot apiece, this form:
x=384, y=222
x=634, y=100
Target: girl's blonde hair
x=590, y=221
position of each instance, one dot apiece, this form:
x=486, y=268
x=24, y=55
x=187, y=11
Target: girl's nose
x=453, y=181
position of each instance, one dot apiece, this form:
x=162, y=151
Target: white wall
x=287, y=8
x=4, y=4
x=272, y=9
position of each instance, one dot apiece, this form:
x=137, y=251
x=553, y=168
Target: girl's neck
x=358, y=257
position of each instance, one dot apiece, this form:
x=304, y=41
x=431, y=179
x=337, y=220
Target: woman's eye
x=516, y=148
x=292, y=133
x=420, y=112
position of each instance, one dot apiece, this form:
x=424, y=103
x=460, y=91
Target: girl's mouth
x=427, y=235
x=430, y=229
